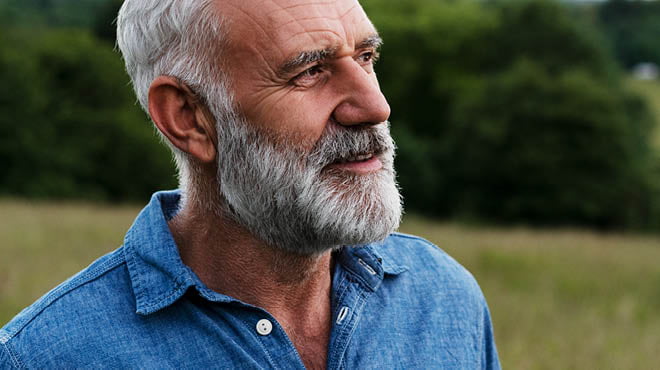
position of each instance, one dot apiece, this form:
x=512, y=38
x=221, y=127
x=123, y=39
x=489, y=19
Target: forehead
x=283, y=27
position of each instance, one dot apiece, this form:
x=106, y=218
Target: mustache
x=339, y=143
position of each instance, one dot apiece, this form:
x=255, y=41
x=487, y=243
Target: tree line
x=508, y=112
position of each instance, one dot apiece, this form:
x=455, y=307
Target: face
x=297, y=65
x=306, y=161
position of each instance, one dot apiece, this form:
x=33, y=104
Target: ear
x=179, y=115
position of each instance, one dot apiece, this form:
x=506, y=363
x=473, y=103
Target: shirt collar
x=369, y=264
x=157, y=273
x=159, y=277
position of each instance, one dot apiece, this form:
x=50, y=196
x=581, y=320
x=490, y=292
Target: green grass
x=43, y=244
x=560, y=299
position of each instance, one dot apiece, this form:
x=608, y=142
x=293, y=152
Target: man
x=277, y=252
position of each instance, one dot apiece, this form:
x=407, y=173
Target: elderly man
x=277, y=252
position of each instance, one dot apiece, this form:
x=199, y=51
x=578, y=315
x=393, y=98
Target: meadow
x=560, y=298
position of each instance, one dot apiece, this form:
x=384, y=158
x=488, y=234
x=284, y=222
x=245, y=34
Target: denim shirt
x=397, y=304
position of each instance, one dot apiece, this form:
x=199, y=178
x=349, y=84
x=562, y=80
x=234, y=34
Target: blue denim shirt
x=397, y=304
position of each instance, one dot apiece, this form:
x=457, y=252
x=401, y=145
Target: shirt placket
x=274, y=341
x=267, y=333
x=351, y=298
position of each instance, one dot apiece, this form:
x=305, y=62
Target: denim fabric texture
x=397, y=304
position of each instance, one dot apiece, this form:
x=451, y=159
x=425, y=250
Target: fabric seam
x=355, y=276
x=347, y=336
x=412, y=237
x=16, y=361
x=136, y=280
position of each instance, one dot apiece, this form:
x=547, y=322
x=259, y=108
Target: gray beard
x=287, y=197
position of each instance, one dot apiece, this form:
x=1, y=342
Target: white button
x=264, y=327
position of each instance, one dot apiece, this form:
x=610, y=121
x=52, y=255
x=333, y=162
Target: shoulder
x=60, y=318
x=429, y=271
x=418, y=255
x=426, y=285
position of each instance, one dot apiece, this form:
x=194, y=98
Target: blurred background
x=528, y=150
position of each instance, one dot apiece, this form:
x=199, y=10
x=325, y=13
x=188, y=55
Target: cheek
x=299, y=116
x=307, y=116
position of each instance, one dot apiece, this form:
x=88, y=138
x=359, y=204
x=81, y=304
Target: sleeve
x=490, y=359
x=7, y=361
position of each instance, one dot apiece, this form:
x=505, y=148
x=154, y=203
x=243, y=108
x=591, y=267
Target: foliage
x=543, y=148
x=503, y=111
x=511, y=112
x=73, y=130
x=633, y=27
x=52, y=13
x=105, y=27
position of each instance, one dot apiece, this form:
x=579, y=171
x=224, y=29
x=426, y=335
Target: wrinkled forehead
x=283, y=27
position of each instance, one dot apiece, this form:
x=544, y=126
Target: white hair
x=178, y=38
x=269, y=185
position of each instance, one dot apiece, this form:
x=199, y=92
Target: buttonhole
x=342, y=314
x=367, y=267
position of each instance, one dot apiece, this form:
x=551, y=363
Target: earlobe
x=181, y=118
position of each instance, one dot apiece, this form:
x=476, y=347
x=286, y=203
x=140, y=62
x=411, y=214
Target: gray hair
x=177, y=38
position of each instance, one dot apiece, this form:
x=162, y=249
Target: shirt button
x=264, y=327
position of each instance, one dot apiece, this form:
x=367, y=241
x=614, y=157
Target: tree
x=511, y=112
x=633, y=28
x=75, y=128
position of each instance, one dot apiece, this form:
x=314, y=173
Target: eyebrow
x=373, y=41
x=312, y=56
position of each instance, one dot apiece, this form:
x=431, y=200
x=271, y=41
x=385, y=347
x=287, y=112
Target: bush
x=542, y=148
x=70, y=127
x=511, y=112
x=633, y=28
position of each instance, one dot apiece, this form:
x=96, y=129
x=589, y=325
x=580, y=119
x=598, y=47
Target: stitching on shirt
x=135, y=278
x=354, y=275
x=342, y=294
x=16, y=361
x=85, y=277
x=345, y=336
x=144, y=305
x=412, y=237
x=177, y=291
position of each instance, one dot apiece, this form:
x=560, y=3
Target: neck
x=295, y=289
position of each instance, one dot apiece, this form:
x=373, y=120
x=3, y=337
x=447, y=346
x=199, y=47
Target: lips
x=364, y=163
x=356, y=158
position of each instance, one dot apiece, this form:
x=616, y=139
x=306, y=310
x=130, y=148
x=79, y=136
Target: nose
x=362, y=101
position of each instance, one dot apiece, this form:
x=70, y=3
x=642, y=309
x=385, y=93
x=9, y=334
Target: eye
x=309, y=76
x=367, y=60
x=368, y=57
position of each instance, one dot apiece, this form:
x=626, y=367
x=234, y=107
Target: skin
x=295, y=102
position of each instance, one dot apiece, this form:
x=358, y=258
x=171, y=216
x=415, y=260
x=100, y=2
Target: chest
x=369, y=338
x=314, y=359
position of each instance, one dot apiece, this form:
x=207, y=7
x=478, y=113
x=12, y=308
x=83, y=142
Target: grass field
x=560, y=299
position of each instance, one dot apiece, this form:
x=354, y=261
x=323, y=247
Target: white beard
x=289, y=199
